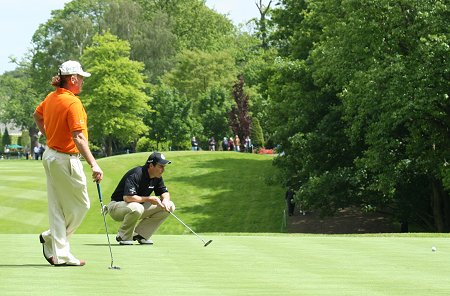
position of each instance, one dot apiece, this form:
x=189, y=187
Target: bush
x=145, y=144
x=257, y=133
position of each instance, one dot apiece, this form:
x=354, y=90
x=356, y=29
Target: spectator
x=225, y=144
x=290, y=201
x=248, y=144
x=237, y=144
x=194, y=144
x=231, y=144
x=212, y=144
x=36, y=151
x=7, y=151
x=41, y=151
x=27, y=153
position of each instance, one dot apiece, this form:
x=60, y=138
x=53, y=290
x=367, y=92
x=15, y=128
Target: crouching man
x=132, y=203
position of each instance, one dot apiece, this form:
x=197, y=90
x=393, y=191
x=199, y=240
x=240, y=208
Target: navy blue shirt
x=137, y=181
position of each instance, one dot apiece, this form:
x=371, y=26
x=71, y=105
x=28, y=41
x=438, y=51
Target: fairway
x=233, y=265
x=220, y=201
x=208, y=189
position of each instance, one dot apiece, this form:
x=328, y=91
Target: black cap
x=158, y=158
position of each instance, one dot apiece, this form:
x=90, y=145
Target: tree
x=262, y=22
x=197, y=71
x=114, y=94
x=64, y=37
x=172, y=119
x=240, y=120
x=152, y=39
x=195, y=25
x=6, y=139
x=19, y=100
x=371, y=101
x=257, y=134
x=213, y=110
x=405, y=132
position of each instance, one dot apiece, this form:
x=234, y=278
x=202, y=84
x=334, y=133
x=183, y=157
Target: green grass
x=213, y=192
x=263, y=264
x=222, y=196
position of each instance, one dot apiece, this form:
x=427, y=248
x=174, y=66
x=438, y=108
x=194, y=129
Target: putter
x=106, y=227
x=205, y=243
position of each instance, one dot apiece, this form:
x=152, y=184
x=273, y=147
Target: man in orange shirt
x=62, y=119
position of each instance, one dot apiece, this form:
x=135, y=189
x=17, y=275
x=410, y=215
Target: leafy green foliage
x=64, y=37
x=257, y=135
x=181, y=44
x=198, y=71
x=213, y=109
x=18, y=101
x=372, y=105
x=172, y=119
x=6, y=139
x=152, y=40
x=195, y=25
x=114, y=94
x=240, y=120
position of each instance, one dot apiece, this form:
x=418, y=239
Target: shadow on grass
x=233, y=200
x=23, y=265
x=104, y=245
x=117, y=245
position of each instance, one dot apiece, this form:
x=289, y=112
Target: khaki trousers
x=152, y=216
x=68, y=202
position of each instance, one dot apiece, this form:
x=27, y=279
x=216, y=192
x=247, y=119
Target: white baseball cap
x=71, y=68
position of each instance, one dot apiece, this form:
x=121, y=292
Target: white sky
x=19, y=19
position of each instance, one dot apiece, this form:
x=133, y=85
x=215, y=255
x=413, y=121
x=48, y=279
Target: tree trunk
x=440, y=205
x=33, y=131
x=108, y=146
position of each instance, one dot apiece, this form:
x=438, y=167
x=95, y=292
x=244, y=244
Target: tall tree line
x=361, y=93
x=182, y=45
x=354, y=94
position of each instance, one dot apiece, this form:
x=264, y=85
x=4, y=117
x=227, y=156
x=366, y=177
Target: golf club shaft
x=104, y=220
x=187, y=227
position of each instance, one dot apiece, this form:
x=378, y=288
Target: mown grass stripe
x=234, y=265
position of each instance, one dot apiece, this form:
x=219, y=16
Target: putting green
x=263, y=264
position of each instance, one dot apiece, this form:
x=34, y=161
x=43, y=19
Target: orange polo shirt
x=63, y=114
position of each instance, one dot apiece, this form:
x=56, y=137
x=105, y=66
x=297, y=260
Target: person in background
x=61, y=118
x=7, y=151
x=237, y=144
x=194, y=144
x=231, y=144
x=133, y=204
x=225, y=144
x=41, y=151
x=290, y=201
x=248, y=144
x=212, y=144
x=36, y=152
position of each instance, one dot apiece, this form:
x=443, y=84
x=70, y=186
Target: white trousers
x=68, y=202
x=150, y=216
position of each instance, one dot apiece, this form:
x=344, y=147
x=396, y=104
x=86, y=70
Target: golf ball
x=433, y=249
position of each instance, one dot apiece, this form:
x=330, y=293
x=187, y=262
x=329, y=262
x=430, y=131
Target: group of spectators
x=23, y=152
x=228, y=144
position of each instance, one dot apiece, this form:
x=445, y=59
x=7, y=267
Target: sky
x=19, y=19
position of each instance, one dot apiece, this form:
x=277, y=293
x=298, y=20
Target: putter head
x=208, y=242
x=114, y=267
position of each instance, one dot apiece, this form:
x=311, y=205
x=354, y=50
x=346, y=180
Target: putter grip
x=99, y=192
